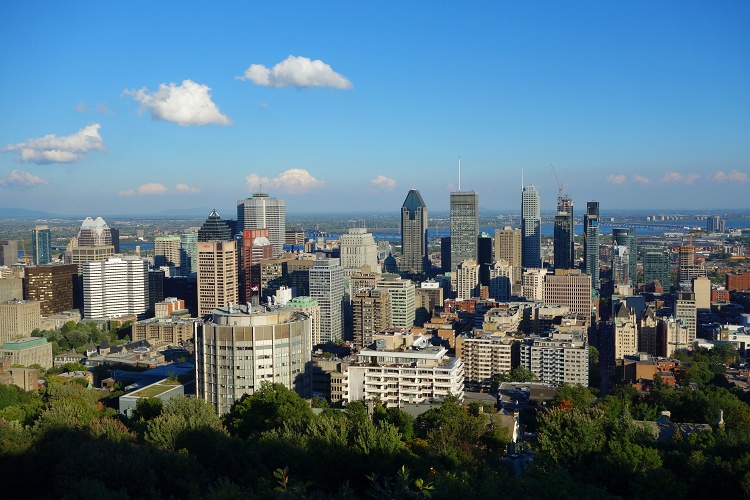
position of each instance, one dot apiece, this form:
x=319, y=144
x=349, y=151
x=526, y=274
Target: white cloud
x=127, y=192
x=295, y=71
x=186, y=104
x=617, y=179
x=672, y=177
x=733, y=176
x=151, y=188
x=641, y=179
x=64, y=149
x=17, y=178
x=184, y=188
x=383, y=182
x=293, y=181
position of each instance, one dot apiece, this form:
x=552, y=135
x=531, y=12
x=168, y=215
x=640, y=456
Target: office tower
x=508, y=248
x=41, y=245
x=445, y=254
x=218, y=281
x=255, y=247
x=188, y=254
x=501, y=280
x=167, y=251
x=591, y=242
x=226, y=368
x=414, y=234
x=261, y=212
x=94, y=233
x=115, y=234
x=309, y=306
x=484, y=258
x=464, y=214
x=626, y=237
x=9, y=252
x=327, y=287
x=702, y=291
x=156, y=279
x=115, y=287
x=295, y=239
x=625, y=331
x=656, y=267
x=466, y=280
x=52, y=285
x=11, y=288
x=688, y=269
x=564, y=236
x=371, y=313
x=685, y=310
x=561, y=359
x=403, y=301
x=531, y=228
x=532, y=283
x=298, y=275
x=715, y=224
x=214, y=229
x=18, y=318
x=570, y=289
x=358, y=249
x=185, y=288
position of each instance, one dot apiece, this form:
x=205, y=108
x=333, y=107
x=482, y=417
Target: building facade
x=52, y=285
x=531, y=228
x=564, y=235
x=403, y=300
x=591, y=243
x=570, y=289
x=264, y=212
x=484, y=357
x=464, y=221
x=371, y=313
x=218, y=280
x=563, y=358
x=327, y=287
x=41, y=245
x=214, y=229
x=18, y=318
x=414, y=258
x=116, y=287
x=167, y=251
x=358, y=249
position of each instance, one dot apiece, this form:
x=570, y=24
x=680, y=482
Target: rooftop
x=25, y=343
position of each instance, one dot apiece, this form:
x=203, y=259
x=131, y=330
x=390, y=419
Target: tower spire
x=459, y=172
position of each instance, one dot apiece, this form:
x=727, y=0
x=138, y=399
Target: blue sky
x=338, y=106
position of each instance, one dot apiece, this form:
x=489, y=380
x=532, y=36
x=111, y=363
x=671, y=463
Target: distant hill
x=10, y=213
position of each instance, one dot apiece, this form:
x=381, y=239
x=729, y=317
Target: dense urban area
x=386, y=355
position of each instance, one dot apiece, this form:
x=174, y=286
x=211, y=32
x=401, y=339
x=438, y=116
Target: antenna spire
x=459, y=172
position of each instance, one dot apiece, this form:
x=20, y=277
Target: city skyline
x=631, y=103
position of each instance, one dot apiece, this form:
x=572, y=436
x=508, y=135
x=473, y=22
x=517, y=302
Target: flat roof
x=25, y=343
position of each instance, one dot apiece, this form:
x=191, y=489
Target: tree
x=572, y=438
x=268, y=408
x=577, y=395
x=182, y=416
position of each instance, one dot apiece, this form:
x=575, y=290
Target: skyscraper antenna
x=521, y=178
x=459, y=172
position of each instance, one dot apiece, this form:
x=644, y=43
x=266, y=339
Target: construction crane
x=559, y=186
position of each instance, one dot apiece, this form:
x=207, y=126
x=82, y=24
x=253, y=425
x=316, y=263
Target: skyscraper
x=94, y=233
x=261, y=212
x=508, y=248
x=464, y=214
x=188, y=253
x=564, y=235
x=41, y=245
x=656, y=267
x=214, y=229
x=626, y=237
x=371, y=312
x=327, y=287
x=115, y=287
x=414, y=234
x=217, y=275
x=358, y=249
x=255, y=247
x=591, y=242
x=167, y=251
x=531, y=228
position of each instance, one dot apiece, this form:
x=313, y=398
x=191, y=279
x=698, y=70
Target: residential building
x=626, y=237
x=676, y=336
x=484, y=356
x=685, y=309
x=624, y=331
x=464, y=221
x=28, y=351
x=168, y=307
x=414, y=258
x=238, y=349
x=327, y=287
x=702, y=292
x=52, y=285
x=18, y=318
x=648, y=332
x=715, y=224
x=217, y=275
x=189, y=254
x=371, y=311
x=11, y=288
x=402, y=299
x=264, y=212
x=466, y=280
x=171, y=330
x=560, y=359
x=531, y=228
x=622, y=281
x=738, y=282
x=532, y=283
x=564, y=235
x=591, y=243
x=116, y=287
x=687, y=268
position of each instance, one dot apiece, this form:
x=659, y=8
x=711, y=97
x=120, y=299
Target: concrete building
x=28, y=351
x=11, y=288
x=237, y=349
x=403, y=303
x=8, y=252
x=571, y=289
x=564, y=235
x=168, y=307
x=371, y=312
x=563, y=358
x=358, y=249
x=676, y=335
x=507, y=247
x=531, y=228
x=687, y=268
x=626, y=237
x=622, y=281
x=264, y=212
x=648, y=332
x=702, y=291
x=501, y=280
x=52, y=285
x=25, y=378
x=591, y=243
x=167, y=251
x=414, y=258
x=464, y=220
x=217, y=275
x=18, y=318
x=309, y=306
x=116, y=287
x=466, y=280
x=327, y=287
x=189, y=254
x=715, y=224
x=685, y=309
x=624, y=331
x=403, y=369
x=174, y=331
x=484, y=356
x=532, y=283
x=214, y=229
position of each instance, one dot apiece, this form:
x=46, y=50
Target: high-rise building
x=41, y=245
x=18, y=318
x=532, y=283
x=484, y=258
x=414, y=234
x=685, y=309
x=188, y=254
x=688, y=269
x=167, y=251
x=626, y=237
x=561, y=359
x=648, y=332
x=327, y=287
x=702, y=291
x=94, y=233
x=261, y=212
x=237, y=350
x=531, y=228
x=466, y=280
x=9, y=252
x=591, y=242
x=501, y=280
x=371, y=312
x=656, y=267
x=715, y=224
x=403, y=300
x=358, y=249
x=484, y=357
x=52, y=285
x=255, y=247
x=508, y=248
x=218, y=281
x=116, y=287
x=464, y=215
x=625, y=331
x=621, y=281
x=214, y=229
x=571, y=289
x=564, y=236
x=309, y=306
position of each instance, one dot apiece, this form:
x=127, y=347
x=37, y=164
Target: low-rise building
x=174, y=331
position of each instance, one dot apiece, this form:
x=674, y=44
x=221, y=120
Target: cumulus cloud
x=383, y=182
x=186, y=104
x=63, y=149
x=295, y=71
x=151, y=188
x=733, y=176
x=184, y=188
x=617, y=179
x=17, y=178
x=127, y=192
x=293, y=181
x=641, y=179
x=678, y=177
